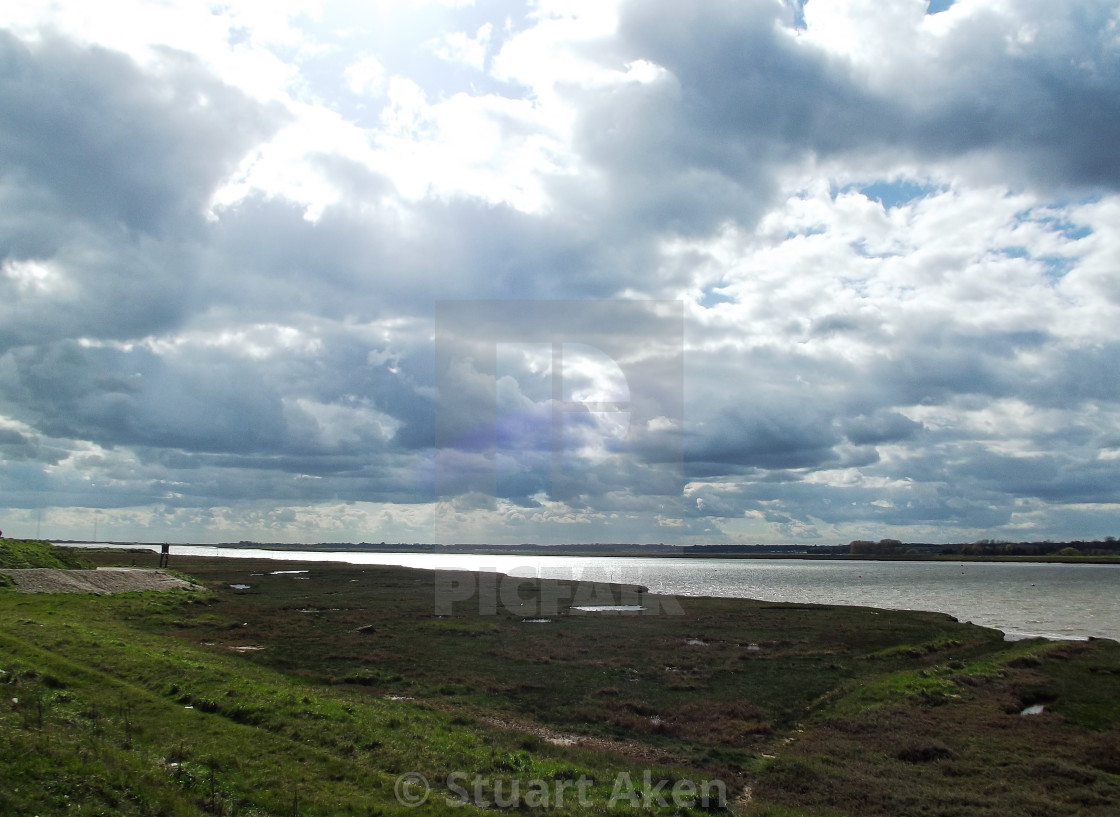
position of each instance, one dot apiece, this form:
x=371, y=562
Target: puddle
x=248, y=648
x=609, y=608
x=398, y=698
x=241, y=586
x=753, y=648
x=536, y=621
x=1037, y=709
x=283, y=572
x=695, y=642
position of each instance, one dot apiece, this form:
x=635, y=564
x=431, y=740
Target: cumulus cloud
x=889, y=235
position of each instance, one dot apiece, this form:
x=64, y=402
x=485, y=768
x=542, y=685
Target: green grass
x=16, y=554
x=118, y=719
x=950, y=739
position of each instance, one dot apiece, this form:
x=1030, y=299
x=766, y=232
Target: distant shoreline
x=731, y=552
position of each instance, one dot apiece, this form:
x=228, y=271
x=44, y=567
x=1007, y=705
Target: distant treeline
x=581, y=548
x=1109, y=546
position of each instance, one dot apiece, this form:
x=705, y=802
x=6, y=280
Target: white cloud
x=244, y=41
x=38, y=278
x=366, y=76
x=459, y=47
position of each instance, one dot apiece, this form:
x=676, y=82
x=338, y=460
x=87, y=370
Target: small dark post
x=164, y=554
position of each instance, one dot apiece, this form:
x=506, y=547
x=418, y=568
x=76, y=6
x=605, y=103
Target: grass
x=310, y=693
x=950, y=741
x=17, y=554
x=114, y=718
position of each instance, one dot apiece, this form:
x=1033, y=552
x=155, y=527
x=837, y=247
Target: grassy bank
x=17, y=554
x=312, y=692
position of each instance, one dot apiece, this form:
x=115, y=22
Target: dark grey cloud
x=350, y=263
x=883, y=426
x=109, y=142
x=746, y=97
x=209, y=400
x=1048, y=104
x=115, y=397
x=106, y=170
x=758, y=438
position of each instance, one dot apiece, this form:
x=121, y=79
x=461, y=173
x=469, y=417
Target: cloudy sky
x=737, y=270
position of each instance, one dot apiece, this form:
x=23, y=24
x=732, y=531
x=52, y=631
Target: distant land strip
x=1103, y=551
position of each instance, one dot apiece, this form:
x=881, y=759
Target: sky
x=541, y=271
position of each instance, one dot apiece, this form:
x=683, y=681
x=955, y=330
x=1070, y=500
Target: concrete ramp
x=101, y=581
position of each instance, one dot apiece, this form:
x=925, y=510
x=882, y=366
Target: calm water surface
x=1021, y=599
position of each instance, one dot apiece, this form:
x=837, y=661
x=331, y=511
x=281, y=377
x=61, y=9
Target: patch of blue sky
x=713, y=297
x=798, y=9
x=895, y=193
x=388, y=30
x=860, y=247
x=937, y=6
x=816, y=229
x=1056, y=266
x=1054, y=215
x=1067, y=228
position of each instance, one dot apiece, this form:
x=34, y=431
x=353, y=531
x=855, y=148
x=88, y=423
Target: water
x=1061, y=601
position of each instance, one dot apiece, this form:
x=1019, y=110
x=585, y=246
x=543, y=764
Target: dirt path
x=102, y=580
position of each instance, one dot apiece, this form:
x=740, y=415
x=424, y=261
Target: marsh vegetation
x=310, y=693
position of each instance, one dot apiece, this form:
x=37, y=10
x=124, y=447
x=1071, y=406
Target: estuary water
x=1059, y=601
